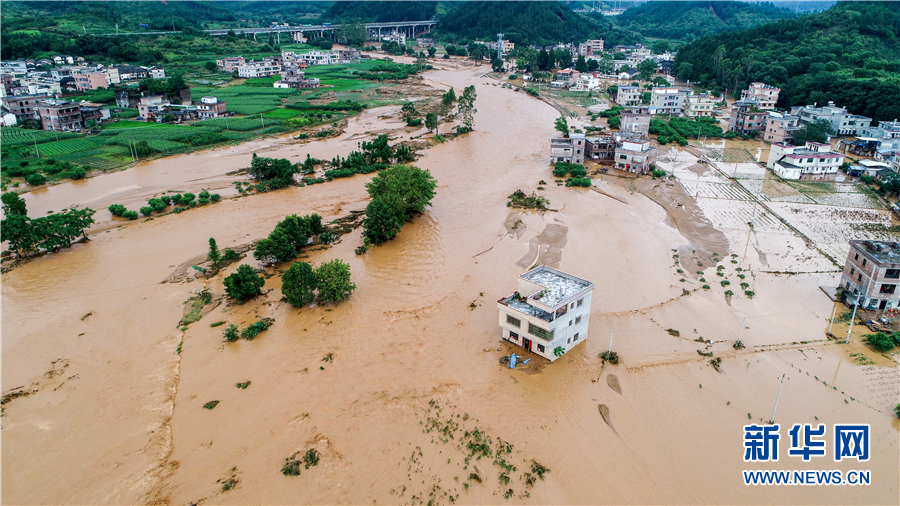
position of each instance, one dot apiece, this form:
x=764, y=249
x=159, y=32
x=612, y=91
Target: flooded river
x=118, y=415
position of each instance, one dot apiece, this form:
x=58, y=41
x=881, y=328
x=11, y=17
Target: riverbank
x=125, y=423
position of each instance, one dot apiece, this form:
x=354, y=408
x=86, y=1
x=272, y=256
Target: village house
x=22, y=106
x=860, y=146
x=231, y=63
x=842, y=122
x=628, y=96
x=14, y=67
x=132, y=72
x=424, y=42
x=90, y=80
x=294, y=78
x=157, y=73
x=780, y=127
x=625, y=75
x=635, y=120
x=599, y=148
x=569, y=149
x=635, y=156
x=586, y=82
x=812, y=162
x=59, y=116
x=871, y=275
x=398, y=37
x=699, y=106
x=886, y=130
x=549, y=314
x=153, y=106
x=566, y=78
x=765, y=96
x=210, y=107
x=590, y=47
x=746, y=117
x=258, y=69
x=667, y=100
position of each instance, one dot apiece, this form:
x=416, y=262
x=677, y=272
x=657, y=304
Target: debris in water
x=604, y=412
x=613, y=381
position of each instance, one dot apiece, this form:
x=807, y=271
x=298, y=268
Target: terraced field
x=56, y=148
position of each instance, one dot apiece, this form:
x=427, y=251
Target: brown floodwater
x=118, y=416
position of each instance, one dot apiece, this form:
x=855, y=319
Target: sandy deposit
x=124, y=423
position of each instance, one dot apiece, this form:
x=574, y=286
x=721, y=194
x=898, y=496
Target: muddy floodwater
x=388, y=386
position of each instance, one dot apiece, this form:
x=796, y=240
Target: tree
x=544, y=62
x=431, y=52
x=13, y=204
x=581, y=65
x=467, y=106
x=385, y=217
x=213, y=256
x=273, y=172
x=562, y=125
x=277, y=247
x=16, y=229
x=817, y=130
x=660, y=46
x=333, y=279
x=431, y=121
x=882, y=341
x=447, y=100
x=497, y=65
x=298, y=284
x=477, y=53
x=210, y=66
x=593, y=65
x=646, y=69
x=413, y=185
x=244, y=283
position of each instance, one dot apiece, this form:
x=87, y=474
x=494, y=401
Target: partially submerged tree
x=213, y=256
x=562, y=125
x=244, y=283
x=333, y=280
x=467, y=106
x=298, y=284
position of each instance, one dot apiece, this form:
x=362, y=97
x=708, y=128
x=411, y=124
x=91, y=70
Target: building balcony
x=526, y=308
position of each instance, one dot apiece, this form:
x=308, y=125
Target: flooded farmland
x=412, y=358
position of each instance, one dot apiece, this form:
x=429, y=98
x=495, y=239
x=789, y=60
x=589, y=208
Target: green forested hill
x=693, y=20
x=380, y=11
x=527, y=23
x=848, y=54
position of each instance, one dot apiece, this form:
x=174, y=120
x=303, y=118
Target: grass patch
x=197, y=303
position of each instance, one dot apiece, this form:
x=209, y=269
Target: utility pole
x=742, y=330
x=772, y=420
x=856, y=305
x=832, y=319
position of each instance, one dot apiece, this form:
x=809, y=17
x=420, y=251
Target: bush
x=658, y=173
x=561, y=169
x=360, y=250
x=35, y=179
x=157, y=205
x=117, y=209
x=231, y=333
x=577, y=171
x=512, y=77
x=253, y=330
x=327, y=237
x=229, y=255
x=146, y=210
x=882, y=341
x=130, y=215
x=244, y=283
x=77, y=172
x=576, y=181
x=215, y=197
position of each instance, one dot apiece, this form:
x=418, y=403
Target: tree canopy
x=694, y=20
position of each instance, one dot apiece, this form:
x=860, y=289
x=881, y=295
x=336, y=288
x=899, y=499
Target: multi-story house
x=635, y=120
x=586, y=82
x=835, y=116
x=231, y=63
x=746, y=117
x=590, y=47
x=132, y=72
x=398, y=37
x=765, y=96
x=258, y=69
x=569, y=149
x=781, y=127
x=319, y=58
x=59, y=115
x=424, y=42
x=635, y=156
x=549, y=314
x=22, y=106
x=151, y=107
x=628, y=96
x=814, y=161
x=667, y=100
x=157, y=73
x=14, y=67
x=90, y=80
x=852, y=124
x=566, y=78
x=872, y=274
x=294, y=78
x=699, y=106
x=210, y=107
x=599, y=148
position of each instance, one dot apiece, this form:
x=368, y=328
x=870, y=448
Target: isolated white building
x=548, y=314
x=815, y=161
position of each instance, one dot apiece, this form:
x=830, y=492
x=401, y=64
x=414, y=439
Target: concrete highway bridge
x=374, y=31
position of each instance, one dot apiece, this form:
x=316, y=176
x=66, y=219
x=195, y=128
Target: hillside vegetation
x=542, y=23
x=848, y=54
x=693, y=20
x=381, y=11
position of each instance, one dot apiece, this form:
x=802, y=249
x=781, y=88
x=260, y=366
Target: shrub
x=298, y=284
x=512, y=77
x=658, y=173
x=130, y=215
x=333, y=280
x=77, y=172
x=215, y=197
x=231, y=333
x=146, y=210
x=577, y=171
x=203, y=201
x=210, y=404
x=882, y=341
x=897, y=410
x=361, y=249
x=327, y=237
x=561, y=169
x=229, y=255
x=117, y=209
x=253, y=330
x=157, y=204
x=35, y=179
x=244, y=283
x=584, y=182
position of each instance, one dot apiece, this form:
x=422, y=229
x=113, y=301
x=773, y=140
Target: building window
x=623, y=157
x=513, y=335
x=575, y=337
x=540, y=348
x=859, y=277
x=515, y=322
x=856, y=257
x=580, y=301
x=570, y=323
x=546, y=335
x=888, y=288
x=864, y=262
x=577, y=320
x=852, y=271
x=892, y=273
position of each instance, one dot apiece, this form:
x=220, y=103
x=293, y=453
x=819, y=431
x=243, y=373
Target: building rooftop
x=559, y=285
x=884, y=252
